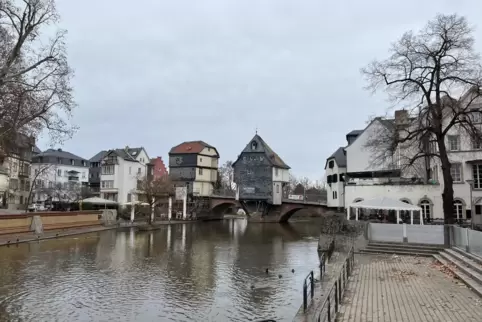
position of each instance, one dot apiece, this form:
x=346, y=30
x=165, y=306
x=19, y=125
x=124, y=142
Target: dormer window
x=254, y=145
x=331, y=164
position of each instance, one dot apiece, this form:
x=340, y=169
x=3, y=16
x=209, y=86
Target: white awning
x=385, y=204
x=98, y=201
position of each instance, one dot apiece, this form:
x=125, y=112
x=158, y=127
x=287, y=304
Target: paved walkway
x=385, y=288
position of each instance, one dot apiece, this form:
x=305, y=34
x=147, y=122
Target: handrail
x=310, y=282
x=338, y=287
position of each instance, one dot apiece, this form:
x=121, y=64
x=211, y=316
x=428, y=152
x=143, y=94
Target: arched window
x=458, y=209
x=426, y=210
x=254, y=145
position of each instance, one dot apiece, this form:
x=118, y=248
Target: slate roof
x=59, y=153
x=355, y=132
x=275, y=158
x=191, y=147
x=339, y=156
x=99, y=156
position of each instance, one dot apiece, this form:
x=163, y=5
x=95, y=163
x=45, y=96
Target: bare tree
x=35, y=91
x=39, y=173
x=154, y=190
x=437, y=76
x=226, y=173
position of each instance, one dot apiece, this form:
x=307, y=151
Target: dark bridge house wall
x=253, y=174
x=182, y=169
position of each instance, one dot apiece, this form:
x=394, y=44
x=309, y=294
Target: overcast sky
x=155, y=73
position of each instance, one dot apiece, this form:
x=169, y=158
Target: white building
x=120, y=171
x=58, y=176
x=352, y=175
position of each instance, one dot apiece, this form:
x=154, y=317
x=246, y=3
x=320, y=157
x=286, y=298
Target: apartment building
x=156, y=168
x=14, y=174
x=352, y=175
x=194, y=165
x=58, y=176
x=95, y=171
x=120, y=171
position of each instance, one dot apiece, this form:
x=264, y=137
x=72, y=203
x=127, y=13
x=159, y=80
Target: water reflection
x=191, y=272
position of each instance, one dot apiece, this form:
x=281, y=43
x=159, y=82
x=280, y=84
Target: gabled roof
x=59, y=153
x=121, y=153
x=339, y=156
x=191, y=147
x=99, y=156
x=264, y=147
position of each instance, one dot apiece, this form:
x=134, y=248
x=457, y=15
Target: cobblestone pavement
x=385, y=288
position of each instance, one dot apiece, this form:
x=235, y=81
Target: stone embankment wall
x=39, y=221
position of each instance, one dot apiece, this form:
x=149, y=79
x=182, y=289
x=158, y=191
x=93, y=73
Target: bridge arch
x=221, y=207
x=284, y=217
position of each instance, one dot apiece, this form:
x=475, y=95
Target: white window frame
x=456, y=177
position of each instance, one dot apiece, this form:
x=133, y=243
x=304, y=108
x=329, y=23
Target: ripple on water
x=209, y=276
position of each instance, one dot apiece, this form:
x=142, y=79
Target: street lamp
x=472, y=214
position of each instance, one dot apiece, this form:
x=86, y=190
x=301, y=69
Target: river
x=210, y=271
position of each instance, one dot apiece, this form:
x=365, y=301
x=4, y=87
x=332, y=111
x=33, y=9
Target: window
x=51, y=184
x=331, y=164
x=152, y=171
x=335, y=195
x=426, y=209
x=66, y=174
x=276, y=171
x=277, y=188
x=458, y=207
x=129, y=197
x=83, y=163
x=477, y=175
x=83, y=174
x=108, y=169
x=454, y=143
x=200, y=171
x=139, y=171
x=200, y=160
x=36, y=171
x=21, y=200
x=476, y=143
x=342, y=177
x=59, y=172
x=254, y=145
x=334, y=178
x=475, y=116
x=72, y=161
x=108, y=184
x=456, y=172
x=433, y=174
x=328, y=179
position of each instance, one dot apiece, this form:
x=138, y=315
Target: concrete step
x=469, y=281
x=473, y=257
x=407, y=245
x=406, y=249
x=396, y=252
x=473, y=274
x=465, y=260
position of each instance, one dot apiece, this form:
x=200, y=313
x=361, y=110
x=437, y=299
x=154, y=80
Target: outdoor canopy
x=98, y=201
x=384, y=203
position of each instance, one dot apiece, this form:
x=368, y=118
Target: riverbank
x=12, y=239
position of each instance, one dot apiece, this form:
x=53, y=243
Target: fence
x=417, y=234
x=309, y=282
x=335, y=293
x=467, y=239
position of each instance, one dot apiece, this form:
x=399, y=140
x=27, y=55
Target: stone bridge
x=275, y=213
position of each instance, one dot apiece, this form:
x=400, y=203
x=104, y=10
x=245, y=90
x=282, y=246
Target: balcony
x=73, y=178
x=109, y=189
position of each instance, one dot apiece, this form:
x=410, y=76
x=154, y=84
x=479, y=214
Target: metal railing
x=309, y=283
x=335, y=292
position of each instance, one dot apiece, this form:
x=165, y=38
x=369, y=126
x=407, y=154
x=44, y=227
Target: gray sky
x=154, y=73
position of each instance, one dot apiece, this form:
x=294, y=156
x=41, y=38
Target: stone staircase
x=402, y=249
x=465, y=266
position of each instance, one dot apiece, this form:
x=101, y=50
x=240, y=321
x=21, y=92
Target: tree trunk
x=447, y=194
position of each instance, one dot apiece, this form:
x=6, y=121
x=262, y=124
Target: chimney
x=401, y=117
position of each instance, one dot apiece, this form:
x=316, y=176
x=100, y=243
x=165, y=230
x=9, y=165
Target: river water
x=213, y=271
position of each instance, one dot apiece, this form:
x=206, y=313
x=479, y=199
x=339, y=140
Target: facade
x=194, y=165
x=14, y=175
x=94, y=172
x=353, y=174
x=156, y=168
x=58, y=176
x=120, y=171
x=259, y=173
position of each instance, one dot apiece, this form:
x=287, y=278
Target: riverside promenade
x=385, y=288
